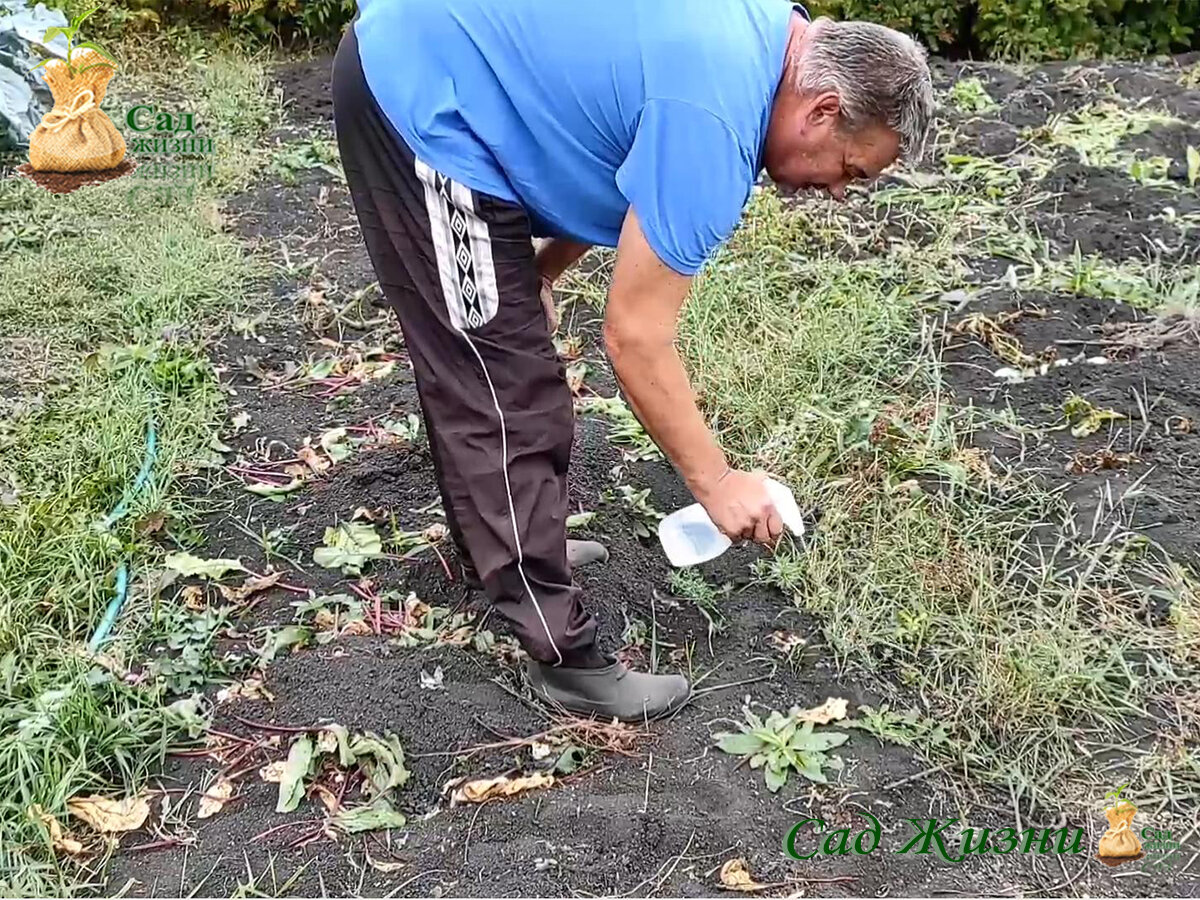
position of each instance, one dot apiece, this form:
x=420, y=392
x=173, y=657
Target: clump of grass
x=111, y=310
x=822, y=371
x=1150, y=286
x=1096, y=131
x=1190, y=76
x=970, y=96
x=690, y=584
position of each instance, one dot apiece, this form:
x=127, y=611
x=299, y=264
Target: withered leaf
x=108, y=815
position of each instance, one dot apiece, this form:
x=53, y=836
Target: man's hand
x=547, y=295
x=739, y=505
x=552, y=258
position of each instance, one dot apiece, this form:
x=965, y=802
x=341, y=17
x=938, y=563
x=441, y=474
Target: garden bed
x=1042, y=235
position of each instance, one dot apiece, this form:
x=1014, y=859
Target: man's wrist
x=705, y=481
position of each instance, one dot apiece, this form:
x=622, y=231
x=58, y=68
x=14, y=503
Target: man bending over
x=469, y=127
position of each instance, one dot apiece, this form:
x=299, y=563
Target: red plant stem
x=270, y=831
x=237, y=759
x=442, y=560
x=270, y=478
x=374, y=599
x=266, y=726
x=234, y=776
x=295, y=589
x=157, y=845
x=306, y=839
x=230, y=737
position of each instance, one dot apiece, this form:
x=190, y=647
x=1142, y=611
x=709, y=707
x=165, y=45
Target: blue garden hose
x=143, y=476
x=113, y=610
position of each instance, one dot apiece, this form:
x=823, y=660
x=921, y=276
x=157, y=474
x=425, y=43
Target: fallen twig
x=270, y=831
x=266, y=726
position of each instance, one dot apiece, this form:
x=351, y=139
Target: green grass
x=1149, y=286
x=105, y=311
x=970, y=96
x=1095, y=132
x=971, y=592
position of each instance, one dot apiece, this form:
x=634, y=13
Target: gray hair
x=880, y=76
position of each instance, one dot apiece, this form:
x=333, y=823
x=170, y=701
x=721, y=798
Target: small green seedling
x=908, y=729
x=624, y=428
x=969, y=95
x=1115, y=798
x=1084, y=418
x=638, y=502
x=69, y=32
x=690, y=584
x=348, y=547
x=1150, y=170
x=781, y=745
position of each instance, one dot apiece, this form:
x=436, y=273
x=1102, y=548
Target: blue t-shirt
x=577, y=109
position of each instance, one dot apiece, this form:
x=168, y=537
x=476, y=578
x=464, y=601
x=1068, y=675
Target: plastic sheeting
x=24, y=98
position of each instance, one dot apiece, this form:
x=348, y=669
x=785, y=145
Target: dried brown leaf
x=108, y=815
x=787, y=641
x=314, y=460
x=327, y=797
x=485, y=789
x=382, y=866
x=61, y=839
x=832, y=710
x=193, y=597
x=272, y=773
x=252, y=585
x=214, y=799
x=735, y=876
x=151, y=524
x=250, y=689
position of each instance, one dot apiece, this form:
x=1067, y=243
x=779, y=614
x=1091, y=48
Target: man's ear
x=825, y=110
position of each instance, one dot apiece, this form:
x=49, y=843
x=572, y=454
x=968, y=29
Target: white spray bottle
x=689, y=536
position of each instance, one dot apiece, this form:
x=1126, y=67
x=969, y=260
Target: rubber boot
x=579, y=553
x=611, y=691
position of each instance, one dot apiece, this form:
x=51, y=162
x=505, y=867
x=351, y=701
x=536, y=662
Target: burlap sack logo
x=1119, y=844
x=76, y=136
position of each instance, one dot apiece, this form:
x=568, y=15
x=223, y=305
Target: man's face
x=807, y=147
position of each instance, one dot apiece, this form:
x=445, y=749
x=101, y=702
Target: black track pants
x=458, y=268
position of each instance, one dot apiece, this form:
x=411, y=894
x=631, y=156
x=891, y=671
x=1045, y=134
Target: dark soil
x=664, y=818
x=1103, y=211
x=66, y=182
x=1157, y=474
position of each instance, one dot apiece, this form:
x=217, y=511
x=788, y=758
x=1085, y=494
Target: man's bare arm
x=639, y=333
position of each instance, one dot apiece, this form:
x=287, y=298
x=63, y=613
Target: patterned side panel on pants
x=464, y=250
x=468, y=275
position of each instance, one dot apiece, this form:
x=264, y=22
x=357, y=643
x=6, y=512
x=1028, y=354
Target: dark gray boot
x=610, y=691
x=579, y=553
